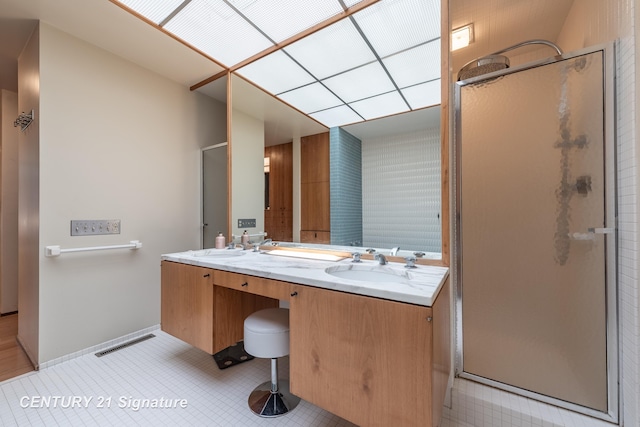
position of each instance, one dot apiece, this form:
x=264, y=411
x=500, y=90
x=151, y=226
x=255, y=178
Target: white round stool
x=266, y=335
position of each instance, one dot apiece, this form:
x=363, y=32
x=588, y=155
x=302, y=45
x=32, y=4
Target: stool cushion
x=266, y=333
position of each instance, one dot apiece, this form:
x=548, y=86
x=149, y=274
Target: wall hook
x=24, y=120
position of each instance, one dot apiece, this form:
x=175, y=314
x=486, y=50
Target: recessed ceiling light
x=461, y=37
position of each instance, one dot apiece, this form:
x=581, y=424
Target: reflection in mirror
x=214, y=186
x=400, y=175
x=385, y=173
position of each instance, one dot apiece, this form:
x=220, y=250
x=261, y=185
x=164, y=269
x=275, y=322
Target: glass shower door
x=533, y=230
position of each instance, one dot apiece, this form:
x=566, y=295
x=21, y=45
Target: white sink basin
x=218, y=253
x=369, y=273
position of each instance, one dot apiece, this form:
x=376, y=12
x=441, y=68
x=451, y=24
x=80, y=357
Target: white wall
x=9, y=203
x=28, y=199
x=117, y=142
x=401, y=191
x=247, y=172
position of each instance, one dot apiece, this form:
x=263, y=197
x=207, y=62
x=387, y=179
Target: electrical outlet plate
x=95, y=227
x=247, y=223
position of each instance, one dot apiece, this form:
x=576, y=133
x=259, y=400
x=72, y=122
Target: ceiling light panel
x=416, y=65
x=311, y=98
x=350, y=3
x=423, y=95
x=218, y=31
x=281, y=19
x=337, y=116
x=153, y=10
x=395, y=25
x=380, y=106
x=331, y=50
x=360, y=83
x=276, y=73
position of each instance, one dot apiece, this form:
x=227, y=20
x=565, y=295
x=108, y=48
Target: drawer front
x=254, y=285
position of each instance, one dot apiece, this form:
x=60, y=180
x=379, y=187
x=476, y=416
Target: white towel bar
x=51, y=251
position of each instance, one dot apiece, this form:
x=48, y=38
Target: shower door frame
x=611, y=288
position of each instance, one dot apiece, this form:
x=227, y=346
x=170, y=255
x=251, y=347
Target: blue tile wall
x=345, y=154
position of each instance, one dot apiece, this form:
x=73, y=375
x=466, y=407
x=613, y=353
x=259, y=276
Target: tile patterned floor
x=107, y=390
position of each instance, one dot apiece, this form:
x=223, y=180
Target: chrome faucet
x=380, y=258
x=411, y=262
x=256, y=247
x=394, y=251
x=356, y=257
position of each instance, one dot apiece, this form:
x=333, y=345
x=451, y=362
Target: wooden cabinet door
x=315, y=206
x=187, y=299
x=314, y=158
x=365, y=359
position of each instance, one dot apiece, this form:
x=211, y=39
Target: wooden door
x=278, y=218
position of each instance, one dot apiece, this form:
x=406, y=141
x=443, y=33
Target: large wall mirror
x=395, y=174
x=366, y=87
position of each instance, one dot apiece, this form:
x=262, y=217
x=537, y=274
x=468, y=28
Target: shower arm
x=525, y=43
x=470, y=68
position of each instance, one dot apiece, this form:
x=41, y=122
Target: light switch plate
x=247, y=223
x=94, y=227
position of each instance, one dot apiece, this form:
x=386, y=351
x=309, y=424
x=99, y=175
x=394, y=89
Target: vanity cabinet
x=371, y=361
x=203, y=309
x=315, y=214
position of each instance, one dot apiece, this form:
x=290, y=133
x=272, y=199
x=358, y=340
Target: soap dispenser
x=244, y=239
x=220, y=241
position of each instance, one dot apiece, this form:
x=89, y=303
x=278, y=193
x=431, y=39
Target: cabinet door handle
x=293, y=294
x=207, y=275
x=245, y=284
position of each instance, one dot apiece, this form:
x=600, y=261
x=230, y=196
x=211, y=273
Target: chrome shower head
x=496, y=61
x=484, y=65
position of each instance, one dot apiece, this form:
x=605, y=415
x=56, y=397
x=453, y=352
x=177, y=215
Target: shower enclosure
x=535, y=233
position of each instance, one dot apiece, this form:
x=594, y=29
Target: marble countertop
x=419, y=285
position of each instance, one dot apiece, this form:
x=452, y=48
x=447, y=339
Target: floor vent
x=127, y=344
